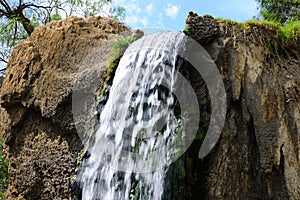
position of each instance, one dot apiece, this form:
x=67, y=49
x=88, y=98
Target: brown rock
x=37, y=122
x=204, y=29
x=257, y=156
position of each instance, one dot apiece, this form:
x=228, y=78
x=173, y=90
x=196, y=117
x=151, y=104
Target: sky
x=171, y=14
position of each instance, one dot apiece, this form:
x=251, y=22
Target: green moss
x=227, y=21
x=121, y=45
x=116, y=53
x=187, y=32
x=110, y=73
x=264, y=23
x=199, y=136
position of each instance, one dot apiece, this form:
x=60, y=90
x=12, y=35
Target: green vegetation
x=187, y=32
x=18, y=19
x=3, y=172
x=268, y=24
x=116, y=53
x=280, y=11
x=121, y=45
x=289, y=32
x=226, y=21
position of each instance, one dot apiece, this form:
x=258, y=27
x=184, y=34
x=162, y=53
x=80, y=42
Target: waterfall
x=132, y=147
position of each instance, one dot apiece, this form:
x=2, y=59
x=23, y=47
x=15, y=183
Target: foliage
x=18, y=19
x=226, y=21
x=281, y=11
x=116, y=53
x=121, y=45
x=265, y=23
x=187, y=32
x=290, y=30
x=3, y=173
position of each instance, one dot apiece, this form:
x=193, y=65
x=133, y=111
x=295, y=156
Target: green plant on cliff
x=19, y=18
x=3, y=172
x=116, y=53
x=187, y=32
x=281, y=11
x=121, y=45
x=290, y=30
x=285, y=34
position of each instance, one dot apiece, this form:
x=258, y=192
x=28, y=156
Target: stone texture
x=41, y=141
x=1, y=80
x=258, y=154
x=203, y=28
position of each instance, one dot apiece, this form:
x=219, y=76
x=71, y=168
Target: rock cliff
x=41, y=142
x=257, y=156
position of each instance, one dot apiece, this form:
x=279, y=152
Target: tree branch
x=5, y=5
x=3, y=60
x=2, y=70
x=23, y=6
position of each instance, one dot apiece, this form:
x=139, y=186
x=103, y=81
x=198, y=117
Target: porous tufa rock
x=41, y=141
x=204, y=29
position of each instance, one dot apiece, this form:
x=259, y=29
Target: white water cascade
x=132, y=146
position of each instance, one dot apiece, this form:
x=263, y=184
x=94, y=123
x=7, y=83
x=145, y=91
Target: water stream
x=131, y=149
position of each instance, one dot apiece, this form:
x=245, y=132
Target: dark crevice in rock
x=186, y=177
x=257, y=184
x=281, y=162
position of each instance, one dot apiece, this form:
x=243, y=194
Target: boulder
x=41, y=140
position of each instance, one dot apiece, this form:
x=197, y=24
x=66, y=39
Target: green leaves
x=187, y=32
x=18, y=19
x=121, y=45
x=56, y=17
x=290, y=31
x=280, y=11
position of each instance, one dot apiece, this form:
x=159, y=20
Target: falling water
x=131, y=147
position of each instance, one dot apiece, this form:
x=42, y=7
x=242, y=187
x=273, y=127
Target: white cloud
x=131, y=19
x=149, y=8
x=144, y=21
x=172, y=10
x=119, y=1
x=132, y=8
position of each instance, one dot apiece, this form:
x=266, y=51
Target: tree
x=280, y=10
x=18, y=18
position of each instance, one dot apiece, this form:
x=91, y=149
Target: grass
x=289, y=32
x=265, y=23
x=227, y=21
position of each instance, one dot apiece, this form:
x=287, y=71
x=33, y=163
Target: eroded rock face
x=204, y=29
x=258, y=154
x=40, y=137
x=1, y=81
